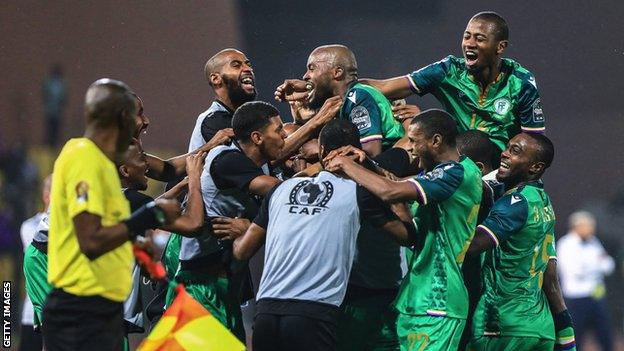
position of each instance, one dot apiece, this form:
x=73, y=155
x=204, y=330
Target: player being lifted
x=432, y=301
x=513, y=312
x=332, y=71
x=482, y=90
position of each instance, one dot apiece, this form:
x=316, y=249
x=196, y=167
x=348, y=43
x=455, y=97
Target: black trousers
x=90, y=323
x=289, y=325
x=30, y=340
x=589, y=313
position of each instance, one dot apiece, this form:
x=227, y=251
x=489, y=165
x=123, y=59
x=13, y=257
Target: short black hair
x=338, y=133
x=545, y=149
x=252, y=116
x=435, y=121
x=501, y=28
x=477, y=146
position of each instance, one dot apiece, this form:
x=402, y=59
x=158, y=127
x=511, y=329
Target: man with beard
x=231, y=77
x=482, y=90
x=89, y=250
x=432, y=301
x=332, y=71
x=513, y=312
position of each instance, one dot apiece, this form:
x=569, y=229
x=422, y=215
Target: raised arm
x=392, y=88
x=172, y=168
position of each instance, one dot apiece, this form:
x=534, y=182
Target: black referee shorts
x=285, y=325
x=73, y=322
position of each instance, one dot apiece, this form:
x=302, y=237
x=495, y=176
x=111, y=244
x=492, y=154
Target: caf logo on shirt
x=82, y=192
x=502, y=106
x=310, y=198
x=361, y=118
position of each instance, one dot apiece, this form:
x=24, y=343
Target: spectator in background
x=583, y=264
x=54, y=98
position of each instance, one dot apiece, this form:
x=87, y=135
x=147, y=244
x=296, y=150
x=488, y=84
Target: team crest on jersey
x=82, y=192
x=310, y=198
x=502, y=106
x=436, y=173
x=361, y=118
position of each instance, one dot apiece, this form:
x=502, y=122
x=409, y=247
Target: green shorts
x=502, y=343
x=171, y=255
x=367, y=323
x=36, y=280
x=213, y=293
x=418, y=333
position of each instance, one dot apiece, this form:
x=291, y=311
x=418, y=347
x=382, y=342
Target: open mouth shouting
x=471, y=57
x=248, y=83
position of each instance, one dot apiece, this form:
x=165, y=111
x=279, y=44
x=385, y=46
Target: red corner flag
x=187, y=325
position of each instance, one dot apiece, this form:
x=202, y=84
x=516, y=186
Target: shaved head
x=110, y=105
x=338, y=56
x=216, y=62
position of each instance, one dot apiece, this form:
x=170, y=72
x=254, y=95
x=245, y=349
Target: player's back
x=311, y=235
x=513, y=303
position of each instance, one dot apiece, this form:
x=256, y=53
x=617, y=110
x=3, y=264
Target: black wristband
x=149, y=216
x=562, y=320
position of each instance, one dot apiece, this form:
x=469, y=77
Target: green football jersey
x=513, y=303
x=371, y=113
x=506, y=107
x=447, y=217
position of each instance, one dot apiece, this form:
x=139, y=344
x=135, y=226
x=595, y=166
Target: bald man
x=232, y=79
x=332, y=71
x=91, y=227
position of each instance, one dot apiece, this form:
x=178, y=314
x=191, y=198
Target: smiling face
x=519, y=161
x=420, y=147
x=480, y=46
x=238, y=77
x=319, y=73
x=141, y=120
x=134, y=169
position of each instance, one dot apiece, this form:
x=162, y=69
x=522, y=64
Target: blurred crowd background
x=52, y=51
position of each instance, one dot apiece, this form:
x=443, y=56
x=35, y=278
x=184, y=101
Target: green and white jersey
x=506, y=107
x=371, y=113
x=450, y=196
x=521, y=223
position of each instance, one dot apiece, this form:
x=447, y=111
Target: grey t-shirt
x=312, y=226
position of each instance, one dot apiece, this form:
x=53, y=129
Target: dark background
x=574, y=48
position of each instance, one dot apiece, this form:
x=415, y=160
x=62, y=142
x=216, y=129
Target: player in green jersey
x=513, y=312
x=432, y=301
x=332, y=71
x=482, y=90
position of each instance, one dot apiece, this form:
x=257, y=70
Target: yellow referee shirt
x=84, y=179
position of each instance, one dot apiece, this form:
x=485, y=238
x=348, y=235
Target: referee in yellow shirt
x=91, y=228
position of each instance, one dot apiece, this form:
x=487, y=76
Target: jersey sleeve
x=428, y=78
x=215, y=122
x=529, y=110
x=439, y=184
x=234, y=170
x=506, y=218
x=262, y=218
x=372, y=209
x=362, y=110
x=83, y=187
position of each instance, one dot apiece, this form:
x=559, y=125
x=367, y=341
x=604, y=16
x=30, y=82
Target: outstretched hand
x=348, y=151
